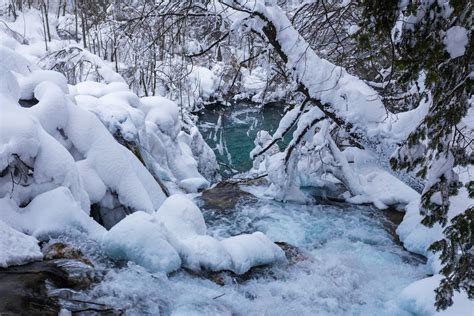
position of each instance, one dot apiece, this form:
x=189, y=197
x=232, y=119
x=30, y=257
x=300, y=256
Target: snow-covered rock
x=17, y=248
x=419, y=298
x=181, y=216
x=50, y=214
x=187, y=229
x=250, y=250
x=175, y=236
x=63, y=155
x=139, y=238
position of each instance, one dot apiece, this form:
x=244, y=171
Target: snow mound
x=187, y=229
x=181, y=216
x=51, y=214
x=173, y=154
x=152, y=127
x=175, y=236
x=17, y=248
x=139, y=238
x=28, y=83
x=419, y=298
x=205, y=252
x=250, y=250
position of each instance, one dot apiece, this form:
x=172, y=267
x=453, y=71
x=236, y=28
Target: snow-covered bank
x=382, y=189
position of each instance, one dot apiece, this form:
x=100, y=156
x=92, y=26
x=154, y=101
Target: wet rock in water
x=59, y=250
x=27, y=289
x=224, y=196
x=293, y=254
x=331, y=193
x=78, y=268
x=23, y=288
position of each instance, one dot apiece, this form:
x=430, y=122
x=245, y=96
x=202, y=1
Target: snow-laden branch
x=342, y=97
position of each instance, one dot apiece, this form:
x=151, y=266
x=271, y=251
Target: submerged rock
x=224, y=196
x=292, y=253
x=23, y=289
x=59, y=250
x=31, y=289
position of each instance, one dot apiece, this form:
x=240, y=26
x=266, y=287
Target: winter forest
x=236, y=157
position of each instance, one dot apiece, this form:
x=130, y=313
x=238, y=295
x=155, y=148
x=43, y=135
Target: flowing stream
x=354, y=266
x=349, y=260
x=354, y=263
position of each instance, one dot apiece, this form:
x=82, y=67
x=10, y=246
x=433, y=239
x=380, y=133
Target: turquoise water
x=240, y=124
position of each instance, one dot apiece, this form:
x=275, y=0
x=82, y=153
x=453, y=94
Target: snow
x=286, y=121
x=415, y=236
x=262, y=141
x=66, y=157
x=175, y=236
x=116, y=166
x=17, y=248
x=140, y=239
x=181, y=216
x=349, y=97
x=169, y=150
x=455, y=41
x=92, y=88
x=93, y=184
x=31, y=81
x=163, y=112
x=248, y=250
x=205, y=252
x=11, y=61
x=51, y=214
x=353, y=29
x=377, y=185
x=255, y=81
x=183, y=219
x=203, y=81
x=23, y=137
x=419, y=297
x=30, y=25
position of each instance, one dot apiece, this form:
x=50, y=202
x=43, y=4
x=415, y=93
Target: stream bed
x=352, y=265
